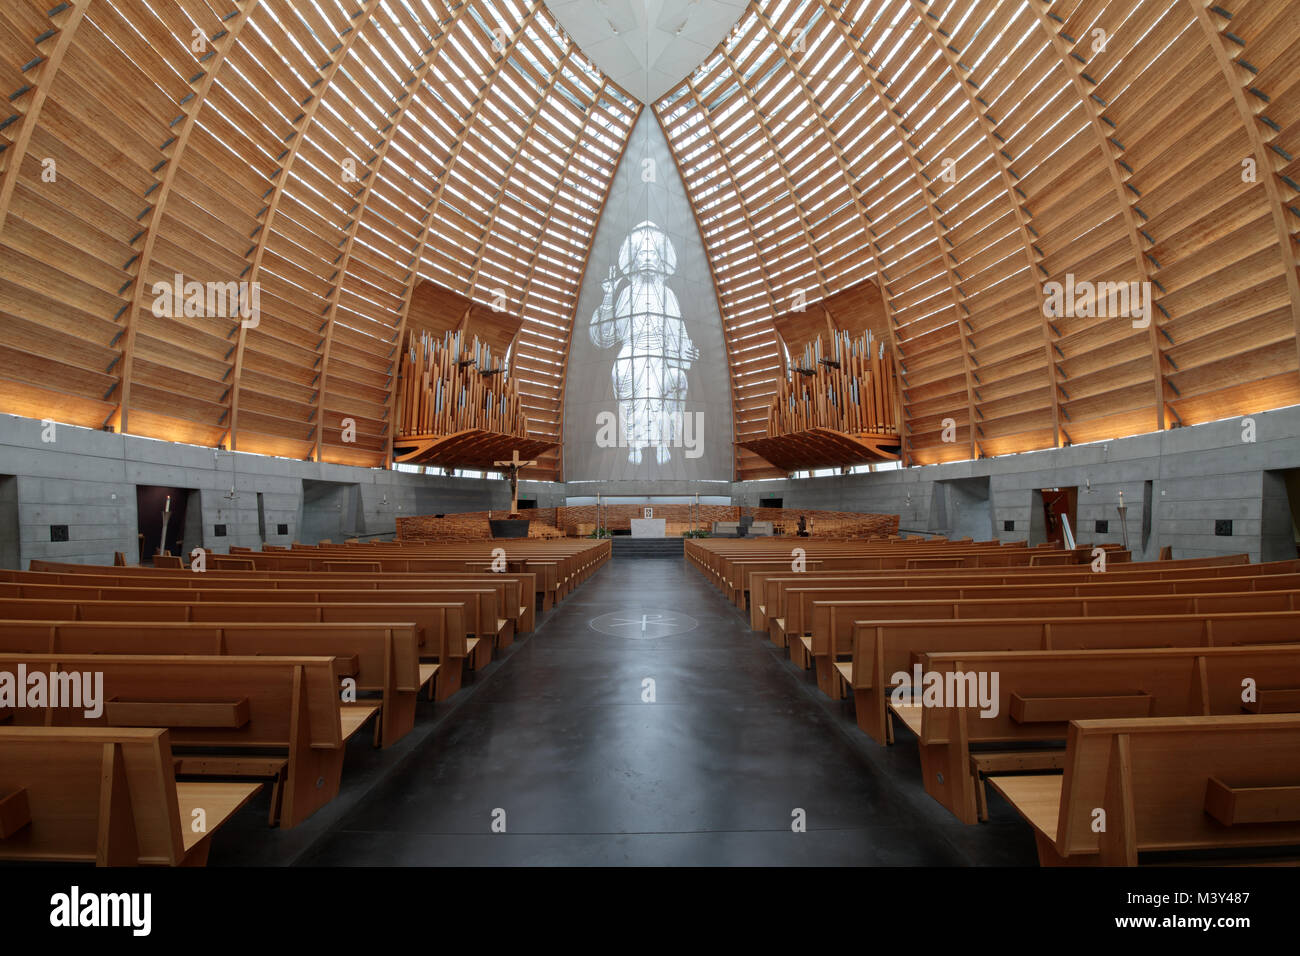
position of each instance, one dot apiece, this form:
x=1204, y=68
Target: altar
x=649, y=527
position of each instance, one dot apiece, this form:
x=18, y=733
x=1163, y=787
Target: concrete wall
x=87, y=479
x=1197, y=474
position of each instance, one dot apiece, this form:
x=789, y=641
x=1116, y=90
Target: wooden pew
x=559, y=566
x=882, y=649
x=287, y=706
x=1039, y=692
x=798, y=600
x=509, y=587
x=835, y=636
x=484, y=599
x=439, y=627
x=1164, y=783
x=771, y=585
x=381, y=658
x=738, y=571
x=834, y=609
x=107, y=795
x=728, y=571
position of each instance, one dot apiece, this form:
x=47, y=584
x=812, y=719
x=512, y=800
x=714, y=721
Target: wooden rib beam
x=764, y=271
x=761, y=120
x=965, y=81
x=860, y=206
x=500, y=191
x=534, y=252
x=1263, y=157
x=813, y=254
x=440, y=186
x=1074, y=69
x=359, y=21
x=363, y=198
x=764, y=276
x=927, y=197
x=67, y=23
x=154, y=225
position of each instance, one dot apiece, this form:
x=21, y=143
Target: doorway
x=331, y=511
x=1052, y=508
x=10, y=543
x=183, y=522
x=1280, y=515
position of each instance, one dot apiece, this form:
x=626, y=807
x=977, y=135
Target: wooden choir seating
x=1097, y=670
x=283, y=715
x=1165, y=784
x=106, y=795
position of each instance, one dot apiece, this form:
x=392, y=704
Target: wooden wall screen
x=1112, y=140
x=334, y=152
x=960, y=153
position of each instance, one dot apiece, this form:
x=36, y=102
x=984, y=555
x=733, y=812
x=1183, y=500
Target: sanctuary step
x=628, y=547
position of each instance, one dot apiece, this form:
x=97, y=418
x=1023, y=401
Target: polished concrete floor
x=556, y=757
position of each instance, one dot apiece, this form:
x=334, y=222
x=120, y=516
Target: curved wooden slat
x=67, y=23
x=191, y=111
x=301, y=127
x=1107, y=150
x=376, y=168
x=1265, y=163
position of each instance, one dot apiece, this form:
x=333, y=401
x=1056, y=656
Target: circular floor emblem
x=643, y=624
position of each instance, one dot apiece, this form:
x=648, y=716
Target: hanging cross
x=512, y=469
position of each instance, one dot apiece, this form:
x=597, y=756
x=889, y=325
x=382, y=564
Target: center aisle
x=710, y=772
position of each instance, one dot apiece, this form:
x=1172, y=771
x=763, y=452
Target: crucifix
x=512, y=469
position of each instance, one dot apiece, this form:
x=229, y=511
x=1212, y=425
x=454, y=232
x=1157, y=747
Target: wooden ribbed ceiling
x=813, y=144
x=213, y=139
x=335, y=152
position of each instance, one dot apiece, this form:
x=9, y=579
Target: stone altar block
x=649, y=527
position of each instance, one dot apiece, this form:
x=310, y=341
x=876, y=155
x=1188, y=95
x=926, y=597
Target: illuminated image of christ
x=641, y=315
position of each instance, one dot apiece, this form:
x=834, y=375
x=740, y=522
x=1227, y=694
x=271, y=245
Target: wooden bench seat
x=954, y=585
x=109, y=796
x=439, y=626
x=381, y=658
x=833, y=621
x=1039, y=692
x=511, y=588
x=1164, y=784
x=286, y=705
x=882, y=649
